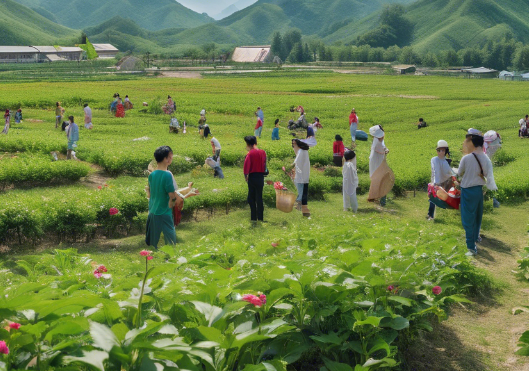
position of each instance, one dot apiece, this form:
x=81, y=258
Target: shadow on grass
x=442, y=350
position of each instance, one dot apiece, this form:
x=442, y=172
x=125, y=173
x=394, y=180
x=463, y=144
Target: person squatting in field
x=475, y=171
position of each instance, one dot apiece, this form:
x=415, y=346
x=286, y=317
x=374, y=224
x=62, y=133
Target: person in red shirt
x=258, y=126
x=338, y=150
x=353, y=124
x=254, y=173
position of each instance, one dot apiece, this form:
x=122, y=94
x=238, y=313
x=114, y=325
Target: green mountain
x=152, y=15
x=452, y=24
x=312, y=17
x=20, y=25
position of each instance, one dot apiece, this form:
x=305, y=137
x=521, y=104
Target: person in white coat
x=475, y=170
x=378, y=152
x=441, y=172
x=302, y=173
x=350, y=182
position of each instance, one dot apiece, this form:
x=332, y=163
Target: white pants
x=352, y=129
x=350, y=201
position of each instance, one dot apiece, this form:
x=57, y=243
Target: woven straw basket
x=285, y=200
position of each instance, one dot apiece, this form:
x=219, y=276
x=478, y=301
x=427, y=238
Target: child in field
x=421, y=123
x=18, y=116
x=275, y=131
x=350, y=182
x=338, y=150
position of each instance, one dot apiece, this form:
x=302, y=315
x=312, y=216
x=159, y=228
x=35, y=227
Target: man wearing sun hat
x=475, y=170
x=441, y=172
x=378, y=153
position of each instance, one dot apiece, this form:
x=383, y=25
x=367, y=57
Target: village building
x=252, y=54
x=106, y=50
x=36, y=54
x=480, y=73
x=403, y=69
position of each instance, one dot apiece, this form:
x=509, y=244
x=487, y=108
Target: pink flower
x=113, y=211
x=97, y=274
x=14, y=325
x=275, y=244
x=437, y=290
x=255, y=300
x=99, y=187
x=150, y=257
x=3, y=348
x=145, y=253
x=391, y=288
x=102, y=269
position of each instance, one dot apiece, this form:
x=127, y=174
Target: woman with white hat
x=441, y=172
x=378, y=152
x=475, y=170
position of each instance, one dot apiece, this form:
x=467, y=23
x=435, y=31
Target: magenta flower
x=14, y=325
x=145, y=253
x=97, y=274
x=113, y=211
x=3, y=348
x=102, y=269
x=257, y=301
x=437, y=290
x=150, y=257
x=391, y=288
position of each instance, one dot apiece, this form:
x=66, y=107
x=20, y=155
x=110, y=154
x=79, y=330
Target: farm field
x=343, y=291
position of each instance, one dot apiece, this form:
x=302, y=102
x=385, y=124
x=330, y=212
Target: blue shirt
x=260, y=114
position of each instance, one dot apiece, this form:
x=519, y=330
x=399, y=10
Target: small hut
x=252, y=54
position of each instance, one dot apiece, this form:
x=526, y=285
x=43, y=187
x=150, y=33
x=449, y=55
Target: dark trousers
x=431, y=210
x=255, y=195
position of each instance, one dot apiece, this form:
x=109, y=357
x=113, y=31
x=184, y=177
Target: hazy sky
x=213, y=7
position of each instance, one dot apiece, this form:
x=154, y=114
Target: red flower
x=99, y=187
x=3, y=348
x=97, y=274
x=145, y=253
x=113, y=211
x=150, y=257
x=263, y=299
x=391, y=288
x=14, y=325
x=102, y=269
x=257, y=301
x=437, y=290
x=106, y=185
x=275, y=244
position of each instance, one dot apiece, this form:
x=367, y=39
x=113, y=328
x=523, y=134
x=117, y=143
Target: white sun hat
x=376, y=131
x=475, y=132
x=442, y=144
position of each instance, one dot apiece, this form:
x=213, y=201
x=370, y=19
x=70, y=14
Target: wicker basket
x=285, y=200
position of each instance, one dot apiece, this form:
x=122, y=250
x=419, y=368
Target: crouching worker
x=215, y=165
x=163, y=196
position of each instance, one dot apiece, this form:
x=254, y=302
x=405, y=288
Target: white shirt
x=215, y=143
x=378, y=153
x=350, y=177
x=302, y=163
x=470, y=171
x=441, y=170
x=88, y=112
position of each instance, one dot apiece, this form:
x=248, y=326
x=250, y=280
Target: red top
x=255, y=162
x=353, y=118
x=259, y=123
x=338, y=148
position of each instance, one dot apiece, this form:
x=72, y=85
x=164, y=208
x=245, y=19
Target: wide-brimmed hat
x=442, y=144
x=376, y=131
x=474, y=132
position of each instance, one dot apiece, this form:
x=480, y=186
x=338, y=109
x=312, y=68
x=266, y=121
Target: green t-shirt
x=160, y=184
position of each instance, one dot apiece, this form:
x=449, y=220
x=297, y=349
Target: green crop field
x=343, y=291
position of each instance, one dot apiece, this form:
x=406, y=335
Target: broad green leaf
x=402, y=300
x=103, y=336
x=274, y=365
x=379, y=344
x=71, y=326
x=524, y=338
x=524, y=351
x=397, y=323
x=211, y=312
x=335, y=366
x=372, y=321
x=386, y=362
x=93, y=358
x=275, y=295
x=331, y=338
x=120, y=330
x=35, y=329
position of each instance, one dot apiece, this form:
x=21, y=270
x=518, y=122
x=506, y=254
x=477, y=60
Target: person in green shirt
x=163, y=196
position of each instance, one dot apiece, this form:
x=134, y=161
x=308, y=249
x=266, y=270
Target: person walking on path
x=441, y=172
x=72, y=133
x=162, y=199
x=254, y=173
x=353, y=125
x=258, y=127
x=59, y=111
x=350, y=182
x=302, y=174
x=378, y=153
x=215, y=144
x=87, y=117
x=7, y=118
x=475, y=170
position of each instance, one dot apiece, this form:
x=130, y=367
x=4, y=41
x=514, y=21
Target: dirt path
x=483, y=336
x=96, y=178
